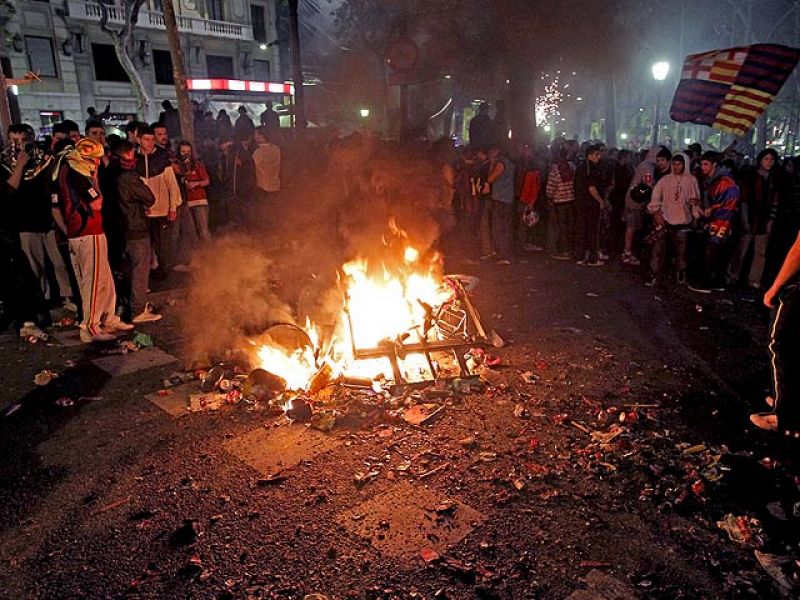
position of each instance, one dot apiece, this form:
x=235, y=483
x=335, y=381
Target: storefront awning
x=239, y=85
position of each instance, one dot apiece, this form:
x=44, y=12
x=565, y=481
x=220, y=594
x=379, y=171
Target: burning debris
x=404, y=341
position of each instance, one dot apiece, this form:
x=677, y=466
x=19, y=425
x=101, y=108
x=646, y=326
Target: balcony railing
x=148, y=19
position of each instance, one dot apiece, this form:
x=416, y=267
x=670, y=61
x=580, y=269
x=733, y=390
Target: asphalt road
x=507, y=495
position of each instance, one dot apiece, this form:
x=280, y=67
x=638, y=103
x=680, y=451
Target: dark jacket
x=134, y=198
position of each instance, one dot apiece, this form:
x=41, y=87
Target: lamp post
x=660, y=71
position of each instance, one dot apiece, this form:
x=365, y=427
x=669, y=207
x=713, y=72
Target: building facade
x=74, y=58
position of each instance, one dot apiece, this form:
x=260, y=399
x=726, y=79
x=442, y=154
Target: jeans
x=587, y=238
x=563, y=229
x=21, y=296
x=747, y=243
x=784, y=348
x=198, y=217
x=502, y=214
x=39, y=246
x=677, y=235
x=139, y=256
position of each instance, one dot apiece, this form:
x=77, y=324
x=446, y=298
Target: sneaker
x=630, y=259
x=699, y=288
x=603, y=255
x=581, y=262
x=31, y=329
x=148, y=315
x=650, y=281
x=560, y=256
x=116, y=324
x=503, y=262
x=765, y=421
x=68, y=305
x=681, y=277
x=100, y=336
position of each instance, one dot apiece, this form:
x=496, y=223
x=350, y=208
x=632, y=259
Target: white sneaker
x=100, y=336
x=69, y=305
x=29, y=328
x=116, y=324
x=148, y=315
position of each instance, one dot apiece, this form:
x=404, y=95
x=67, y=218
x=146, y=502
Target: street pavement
x=126, y=494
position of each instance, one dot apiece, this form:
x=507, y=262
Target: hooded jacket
x=156, y=171
x=722, y=197
x=673, y=195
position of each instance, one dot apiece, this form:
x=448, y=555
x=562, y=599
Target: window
x=219, y=67
x=162, y=63
x=261, y=70
x=215, y=10
x=106, y=64
x=41, y=58
x=259, y=21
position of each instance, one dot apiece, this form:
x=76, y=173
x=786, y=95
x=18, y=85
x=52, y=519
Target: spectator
x=528, y=187
x=760, y=196
x=783, y=297
x=132, y=132
x=20, y=293
x=481, y=128
x=270, y=119
x=72, y=130
x=135, y=200
x=30, y=206
x=223, y=125
x=196, y=180
x=650, y=170
x=623, y=174
x=561, y=193
x=171, y=119
x=267, y=164
x=96, y=131
x=244, y=127
x=786, y=226
x=722, y=211
x=671, y=206
x=79, y=214
x=154, y=167
x=95, y=117
x=589, y=196
x=501, y=179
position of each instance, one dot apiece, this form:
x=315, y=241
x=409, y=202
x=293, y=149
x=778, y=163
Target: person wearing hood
x=649, y=171
x=80, y=204
x=671, y=206
x=722, y=211
x=761, y=188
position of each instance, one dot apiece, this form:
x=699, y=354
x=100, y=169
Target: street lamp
x=660, y=71
x=364, y=112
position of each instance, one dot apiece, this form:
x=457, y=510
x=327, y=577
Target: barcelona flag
x=729, y=89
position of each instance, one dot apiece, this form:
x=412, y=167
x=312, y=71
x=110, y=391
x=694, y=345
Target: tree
x=179, y=73
x=122, y=40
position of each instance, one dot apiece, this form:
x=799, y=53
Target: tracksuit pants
x=784, y=348
x=89, y=254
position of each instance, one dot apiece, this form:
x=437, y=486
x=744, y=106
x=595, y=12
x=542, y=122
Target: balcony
x=148, y=19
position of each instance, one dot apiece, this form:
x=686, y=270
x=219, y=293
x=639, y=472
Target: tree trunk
x=297, y=67
x=143, y=101
x=179, y=72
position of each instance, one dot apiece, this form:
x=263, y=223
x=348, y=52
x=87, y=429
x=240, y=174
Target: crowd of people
x=712, y=220
x=98, y=215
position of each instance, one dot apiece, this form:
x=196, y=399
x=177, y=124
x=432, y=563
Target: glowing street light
x=623, y=136
x=547, y=128
x=364, y=112
x=660, y=71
